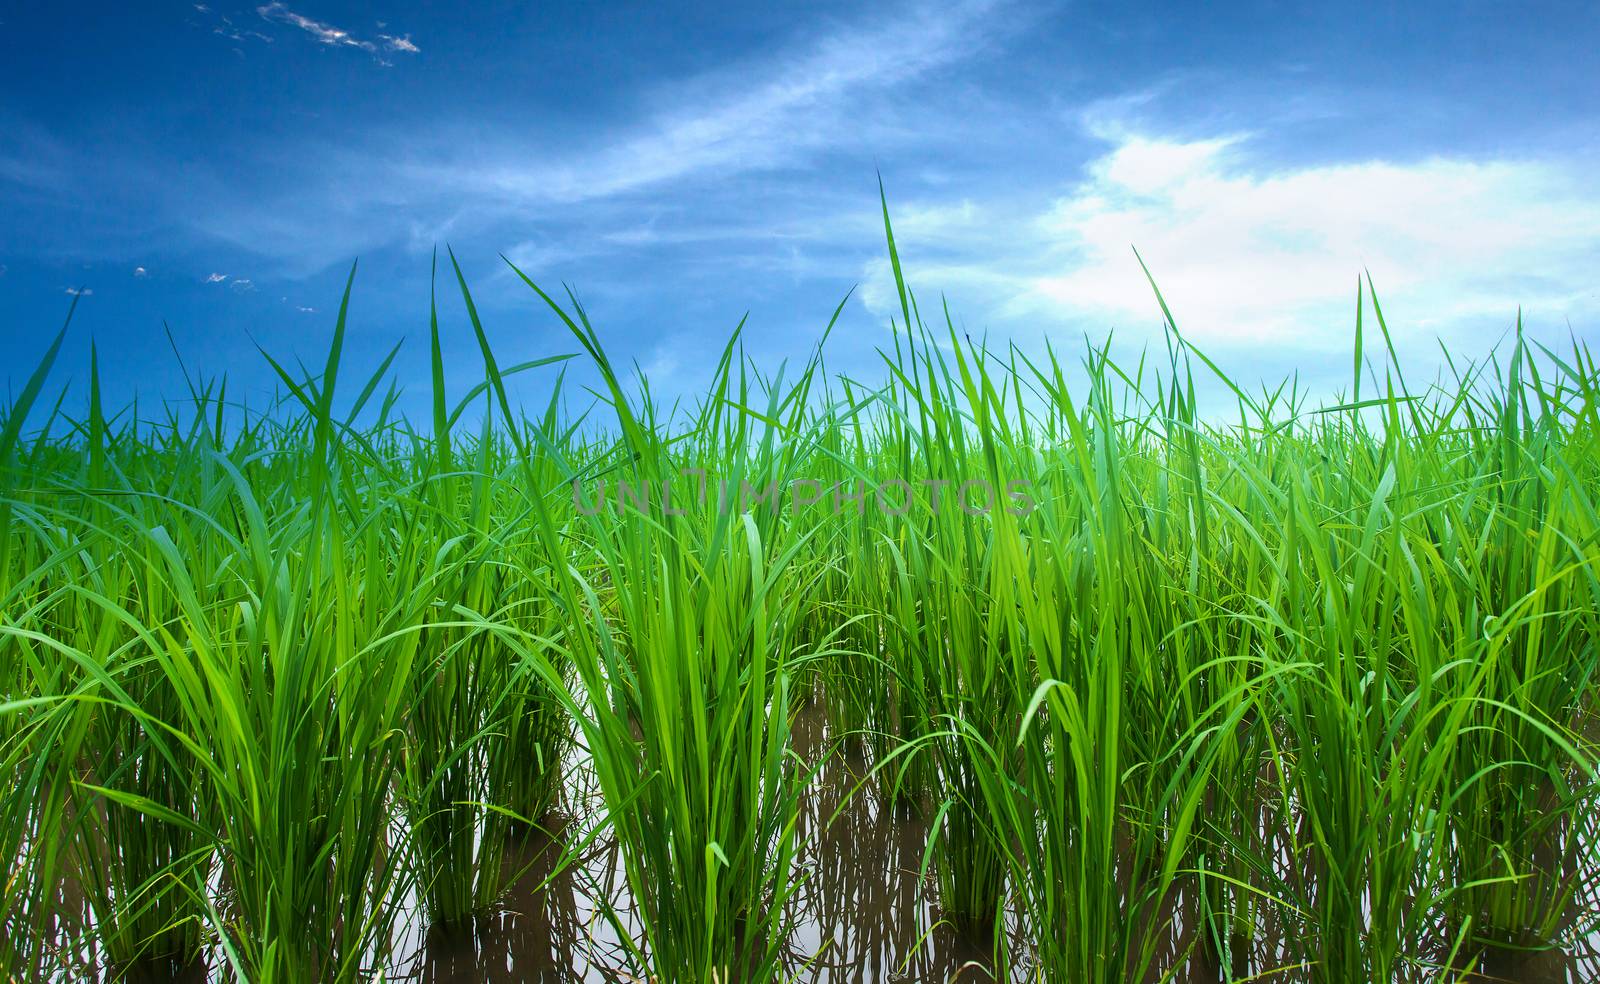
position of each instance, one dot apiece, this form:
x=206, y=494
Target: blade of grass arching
x=18, y=411
x=42, y=443
x=478, y=389
x=586, y=337
x=1188, y=346
x=222, y=404
x=305, y=392
x=16, y=414
x=496, y=379
x=97, y=422
x=148, y=807
x=183, y=370
x=1394, y=357
x=371, y=387
x=894, y=258
x=1378, y=401
x=441, y=421
x=323, y=434
x=1355, y=375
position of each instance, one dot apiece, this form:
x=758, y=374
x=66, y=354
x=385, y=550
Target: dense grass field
x=276, y=689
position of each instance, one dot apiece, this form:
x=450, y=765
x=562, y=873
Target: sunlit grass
x=270, y=679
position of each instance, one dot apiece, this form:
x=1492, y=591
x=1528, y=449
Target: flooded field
x=866, y=910
x=1002, y=670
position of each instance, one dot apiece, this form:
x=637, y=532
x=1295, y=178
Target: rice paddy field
x=989, y=666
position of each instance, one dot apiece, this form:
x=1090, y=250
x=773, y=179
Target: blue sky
x=217, y=167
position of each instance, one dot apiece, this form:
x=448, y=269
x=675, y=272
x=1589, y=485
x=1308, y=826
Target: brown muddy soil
x=862, y=914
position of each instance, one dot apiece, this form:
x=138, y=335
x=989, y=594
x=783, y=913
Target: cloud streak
x=379, y=47
x=833, y=88
x=730, y=123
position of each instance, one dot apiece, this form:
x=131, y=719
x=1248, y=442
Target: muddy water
x=862, y=914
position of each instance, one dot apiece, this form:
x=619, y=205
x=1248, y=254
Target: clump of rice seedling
x=685, y=698
x=484, y=737
x=1299, y=690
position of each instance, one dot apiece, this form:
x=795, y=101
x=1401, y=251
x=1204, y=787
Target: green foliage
x=267, y=678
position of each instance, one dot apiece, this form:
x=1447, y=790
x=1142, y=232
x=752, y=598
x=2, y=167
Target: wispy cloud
x=239, y=285
x=338, y=37
x=223, y=26
x=836, y=89
x=80, y=291
x=140, y=272
x=746, y=119
x=34, y=157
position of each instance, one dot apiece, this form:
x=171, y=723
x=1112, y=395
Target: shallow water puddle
x=861, y=914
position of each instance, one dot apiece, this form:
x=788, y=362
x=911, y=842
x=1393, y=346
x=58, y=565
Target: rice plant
x=1295, y=686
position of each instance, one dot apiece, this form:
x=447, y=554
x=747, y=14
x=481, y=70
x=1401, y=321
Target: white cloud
x=80, y=291
x=1261, y=258
x=241, y=286
x=1250, y=254
x=332, y=36
x=140, y=272
x=216, y=278
x=325, y=33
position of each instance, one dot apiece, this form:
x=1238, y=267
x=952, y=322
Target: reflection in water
x=533, y=936
x=551, y=926
x=1578, y=962
x=861, y=915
